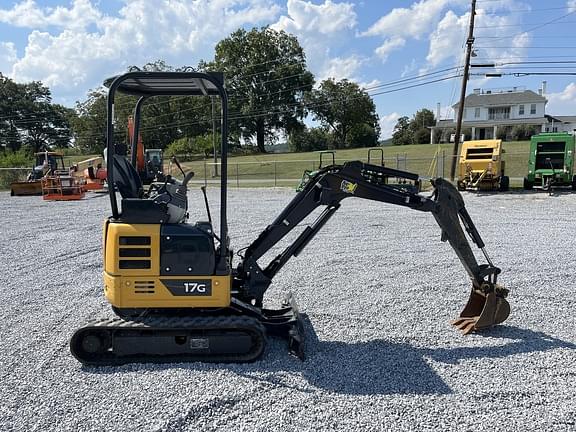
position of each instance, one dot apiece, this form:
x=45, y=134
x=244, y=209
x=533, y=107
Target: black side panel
x=143, y=211
x=186, y=250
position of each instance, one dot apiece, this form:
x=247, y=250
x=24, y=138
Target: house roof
x=563, y=119
x=450, y=123
x=504, y=98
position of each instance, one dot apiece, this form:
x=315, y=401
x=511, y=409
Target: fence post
x=237, y=177
x=205, y=175
x=275, y=177
x=397, y=161
x=443, y=162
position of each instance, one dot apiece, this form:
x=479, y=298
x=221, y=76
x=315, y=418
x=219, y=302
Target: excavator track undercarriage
x=234, y=339
x=235, y=335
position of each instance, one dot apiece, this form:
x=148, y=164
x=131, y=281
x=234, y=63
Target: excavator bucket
x=483, y=310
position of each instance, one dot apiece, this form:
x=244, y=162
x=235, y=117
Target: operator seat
x=126, y=178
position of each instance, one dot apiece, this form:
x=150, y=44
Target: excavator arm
x=329, y=186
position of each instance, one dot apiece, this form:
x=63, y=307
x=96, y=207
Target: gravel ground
x=378, y=288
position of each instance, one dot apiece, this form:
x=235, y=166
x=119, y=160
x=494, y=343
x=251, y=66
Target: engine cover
x=186, y=250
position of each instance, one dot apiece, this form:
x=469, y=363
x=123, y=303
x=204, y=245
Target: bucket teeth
x=465, y=325
x=483, y=310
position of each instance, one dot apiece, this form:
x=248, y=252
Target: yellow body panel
x=150, y=292
x=112, y=248
x=479, y=156
x=143, y=287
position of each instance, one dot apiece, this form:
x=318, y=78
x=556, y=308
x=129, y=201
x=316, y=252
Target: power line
x=537, y=10
x=525, y=57
x=533, y=37
x=532, y=47
x=418, y=77
x=291, y=108
x=521, y=25
x=539, y=26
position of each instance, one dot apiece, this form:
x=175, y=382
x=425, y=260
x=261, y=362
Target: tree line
x=414, y=130
x=271, y=92
x=28, y=118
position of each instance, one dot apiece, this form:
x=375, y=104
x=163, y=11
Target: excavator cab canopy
x=145, y=85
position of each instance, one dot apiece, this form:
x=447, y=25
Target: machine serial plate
x=199, y=344
x=188, y=287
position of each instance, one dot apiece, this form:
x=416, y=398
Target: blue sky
x=72, y=45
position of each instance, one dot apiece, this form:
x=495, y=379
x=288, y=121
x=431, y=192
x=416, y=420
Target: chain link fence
x=289, y=172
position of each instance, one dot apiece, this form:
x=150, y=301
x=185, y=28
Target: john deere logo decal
x=348, y=187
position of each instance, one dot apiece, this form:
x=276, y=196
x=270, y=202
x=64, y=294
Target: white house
x=492, y=113
x=560, y=124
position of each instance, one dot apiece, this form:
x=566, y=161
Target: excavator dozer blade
x=288, y=323
x=482, y=311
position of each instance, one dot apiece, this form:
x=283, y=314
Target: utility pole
x=215, y=172
x=469, y=43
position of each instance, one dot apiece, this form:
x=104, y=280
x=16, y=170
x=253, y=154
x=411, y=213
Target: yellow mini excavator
x=173, y=285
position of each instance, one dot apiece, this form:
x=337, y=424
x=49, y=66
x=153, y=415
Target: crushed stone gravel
x=378, y=289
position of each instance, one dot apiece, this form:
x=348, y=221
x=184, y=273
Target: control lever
x=175, y=162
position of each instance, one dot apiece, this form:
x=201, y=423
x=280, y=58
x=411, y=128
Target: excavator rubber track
x=223, y=339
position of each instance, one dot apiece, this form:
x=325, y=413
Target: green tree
x=29, y=118
x=348, y=111
x=419, y=124
x=164, y=119
x=200, y=144
x=266, y=78
x=306, y=140
x=523, y=132
x=89, y=127
x=402, y=134
x=9, y=114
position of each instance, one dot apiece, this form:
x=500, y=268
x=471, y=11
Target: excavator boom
x=329, y=186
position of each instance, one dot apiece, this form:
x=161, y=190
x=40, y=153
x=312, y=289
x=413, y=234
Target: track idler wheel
x=486, y=307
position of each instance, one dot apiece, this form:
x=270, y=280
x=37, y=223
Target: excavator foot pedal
x=483, y=311
x=287, y=322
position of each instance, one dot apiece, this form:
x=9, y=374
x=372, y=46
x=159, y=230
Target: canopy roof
x=168, y=83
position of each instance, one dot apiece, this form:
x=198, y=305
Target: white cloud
x=409, y=68
x=320, y=28
x=564, y=102
x=387, y=123
x=370, y=84
x=327, y=18
x=446, y=32
x=413, y=22
x=340, y=68
x=389, y=45
x=492, y=32
x=28, y=14
x=8, y=57
x=446, y=40
x=571, y=5
x=90, y=46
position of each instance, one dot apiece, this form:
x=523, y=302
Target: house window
x=477, y=113
x=533, y=109
x=499, y=113
x=464, y=114
x=521, y=110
